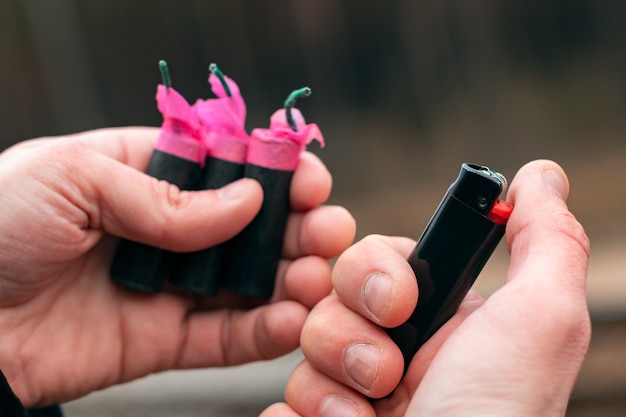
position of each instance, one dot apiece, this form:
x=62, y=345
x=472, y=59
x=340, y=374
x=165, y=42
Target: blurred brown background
x=404, y=91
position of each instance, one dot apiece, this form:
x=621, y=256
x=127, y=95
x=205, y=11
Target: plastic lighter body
x=457, y=242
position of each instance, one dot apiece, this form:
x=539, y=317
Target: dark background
x=404, y=91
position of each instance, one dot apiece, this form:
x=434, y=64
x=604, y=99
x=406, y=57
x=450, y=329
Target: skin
x=517, y=353
x=68, y=330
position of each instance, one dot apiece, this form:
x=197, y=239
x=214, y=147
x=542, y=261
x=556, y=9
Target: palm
x=81, y=321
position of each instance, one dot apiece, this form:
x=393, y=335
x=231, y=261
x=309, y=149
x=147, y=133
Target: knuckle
x=566, y=223
x=168, y=202
x=70, y=172
x=574, y=324
x=360, y=249
x=316, y=325
x=66, y=150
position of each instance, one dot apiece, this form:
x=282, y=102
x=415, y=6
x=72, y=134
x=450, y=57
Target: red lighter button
x=500, y=212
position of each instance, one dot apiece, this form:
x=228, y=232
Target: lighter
x=457, y=242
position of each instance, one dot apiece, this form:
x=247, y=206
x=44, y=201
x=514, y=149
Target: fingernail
x=360, y=362
x=232, y=191
x=335, y=406
x=555, y=181
x=376, y=294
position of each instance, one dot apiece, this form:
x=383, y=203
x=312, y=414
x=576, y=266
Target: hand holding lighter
x=457, y=242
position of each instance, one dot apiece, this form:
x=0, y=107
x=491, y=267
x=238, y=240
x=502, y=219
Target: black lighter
x=457, y=242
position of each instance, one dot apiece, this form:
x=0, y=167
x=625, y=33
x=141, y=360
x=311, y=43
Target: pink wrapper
x=229, y=148
x=180, y=129
x=222, y=121
x=279, y=147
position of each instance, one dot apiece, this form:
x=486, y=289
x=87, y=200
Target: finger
x=169, y=218
x=125, y=144
x=311, y=239
x=544, y=238
x=325, y=231
x=305, y=280
x=350, y=349
x=128, y=203
x=374, y=279
x=279, y=410
x=233, y=337
x=131, y=146
x=549, y=257
x=311, y=394
x=311, y=183
x=548, y=269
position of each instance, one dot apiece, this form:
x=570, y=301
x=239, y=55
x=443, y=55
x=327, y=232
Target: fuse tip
x=165, y=74
x=290, y=102
x=214, y=69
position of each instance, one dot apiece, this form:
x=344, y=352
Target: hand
x=66, y=329
x=516, y=354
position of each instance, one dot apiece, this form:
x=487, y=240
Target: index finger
x=131, y=146
x=374, y=279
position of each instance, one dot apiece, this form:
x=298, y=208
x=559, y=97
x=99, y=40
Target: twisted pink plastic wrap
x=279, y=147
x=180, y=129
x=222, y=121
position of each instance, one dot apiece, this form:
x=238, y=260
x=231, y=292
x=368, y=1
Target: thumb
x=544, y=237
x=542, y=310
x=135, y=206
